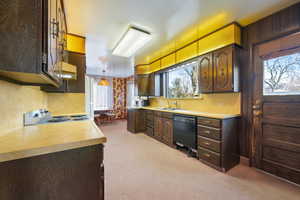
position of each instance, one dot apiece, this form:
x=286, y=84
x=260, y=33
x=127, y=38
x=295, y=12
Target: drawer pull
x=207, y=122
x=206, y=143
x=207, y=132
x=206, y=155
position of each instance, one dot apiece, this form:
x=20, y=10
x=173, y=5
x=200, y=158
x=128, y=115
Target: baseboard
x=244, y=161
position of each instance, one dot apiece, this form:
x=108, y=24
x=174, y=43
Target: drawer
x=209, y=122
x=167, y=115
x=209, y=132
x=149, y=123
x=209, y=144
x=208, y=156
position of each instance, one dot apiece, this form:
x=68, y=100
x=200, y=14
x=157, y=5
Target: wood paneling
x=74, y=174
x=274, y=26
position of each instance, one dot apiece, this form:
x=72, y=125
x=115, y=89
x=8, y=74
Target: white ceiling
x=103, y=22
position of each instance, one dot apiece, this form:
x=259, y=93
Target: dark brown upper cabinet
x=72, y=86
x=206, y=73
x=32, y=41
x=142, y=82
x=219, y=71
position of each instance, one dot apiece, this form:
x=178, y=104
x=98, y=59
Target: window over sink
x=182, y=81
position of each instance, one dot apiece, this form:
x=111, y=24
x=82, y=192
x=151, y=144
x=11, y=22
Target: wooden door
x=53, y=33
x=168, y=131
x=79, y=60
x=223, y=70
x=206, y=73
x=158, y=128
x=276, y=108
x=142, y=84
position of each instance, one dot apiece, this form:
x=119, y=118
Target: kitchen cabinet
x=142, y=82
x=149, y=84
x=136, y=120
x=79, y=60
x=163, y=127
x=206, y=73
x=158, y=126
x=34, y=41
x=219, y=71
x=55, y=176
x=149, y=123
x=69, y=85
x=218, y=142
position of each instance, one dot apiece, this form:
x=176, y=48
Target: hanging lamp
x=103, y=81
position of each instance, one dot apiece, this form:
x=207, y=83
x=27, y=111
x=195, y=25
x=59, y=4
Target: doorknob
x=257, y=113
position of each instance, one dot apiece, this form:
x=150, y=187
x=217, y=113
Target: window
x=103, y=96
x=182, y=81
x=282, y=75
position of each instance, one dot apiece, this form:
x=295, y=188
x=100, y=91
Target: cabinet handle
x=206, y=155
x=207, y=122
x=206, y=143
x=208, y=132
x=55, y=28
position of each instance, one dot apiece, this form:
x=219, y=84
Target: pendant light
x=103, y=81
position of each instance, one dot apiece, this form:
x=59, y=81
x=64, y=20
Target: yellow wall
x=75, y=43
x=227, y=103
x=68, y=103
x=16, y=100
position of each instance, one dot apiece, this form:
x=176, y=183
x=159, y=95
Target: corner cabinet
x=219, y=71
x=33, y=40
x=71, y=86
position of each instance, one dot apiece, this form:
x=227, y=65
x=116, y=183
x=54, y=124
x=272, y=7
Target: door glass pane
x=282, y=75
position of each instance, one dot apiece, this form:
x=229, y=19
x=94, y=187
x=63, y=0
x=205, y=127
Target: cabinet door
x=223, y=70
x=79, y=60
x=142, y=84
x=206, y=73
x=53, y=67
x=168, y=131
x=130, y=121
x=151, y=84
x=158, y=128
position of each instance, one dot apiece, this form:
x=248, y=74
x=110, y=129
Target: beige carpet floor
x=138, y=167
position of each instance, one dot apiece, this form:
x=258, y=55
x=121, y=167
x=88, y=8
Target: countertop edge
x=9, y=156
x=213, y=115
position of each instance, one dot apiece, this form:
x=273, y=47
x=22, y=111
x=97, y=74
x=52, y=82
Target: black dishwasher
x=185, y=133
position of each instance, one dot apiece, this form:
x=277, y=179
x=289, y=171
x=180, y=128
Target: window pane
x=282, y=75
x=183, y=81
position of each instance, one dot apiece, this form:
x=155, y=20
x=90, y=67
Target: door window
x=282, y=75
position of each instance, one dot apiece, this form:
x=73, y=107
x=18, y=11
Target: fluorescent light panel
x=133, y=40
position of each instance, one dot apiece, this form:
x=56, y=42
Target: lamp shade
x=103, y=82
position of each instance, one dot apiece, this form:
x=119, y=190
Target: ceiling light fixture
x=133, y=40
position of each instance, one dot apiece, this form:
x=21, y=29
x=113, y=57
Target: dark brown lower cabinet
x=136, y=120
x=73, y=174
x=163, y=127
x=218, y=142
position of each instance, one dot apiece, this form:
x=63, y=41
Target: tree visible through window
x=282, y=75
x=183, y=81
